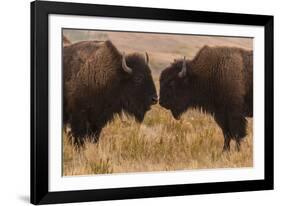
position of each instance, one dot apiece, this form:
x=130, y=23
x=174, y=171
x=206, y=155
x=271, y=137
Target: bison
x=99, y=82
x=219, y=80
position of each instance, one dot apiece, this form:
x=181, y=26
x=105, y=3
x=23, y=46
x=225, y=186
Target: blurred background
x=162, y=48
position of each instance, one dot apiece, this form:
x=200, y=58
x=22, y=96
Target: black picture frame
x=39, y=102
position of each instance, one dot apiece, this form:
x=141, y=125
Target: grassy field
x=160, y=143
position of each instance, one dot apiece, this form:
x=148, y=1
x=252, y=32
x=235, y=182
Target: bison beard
x=218, y=80
x=100, y=82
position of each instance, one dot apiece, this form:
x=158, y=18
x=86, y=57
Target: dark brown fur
x=220, y=81
x=96, y=87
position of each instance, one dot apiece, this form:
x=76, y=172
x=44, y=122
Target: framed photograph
x=133, y=102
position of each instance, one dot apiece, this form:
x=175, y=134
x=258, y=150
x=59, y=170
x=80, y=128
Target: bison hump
x=99, y=66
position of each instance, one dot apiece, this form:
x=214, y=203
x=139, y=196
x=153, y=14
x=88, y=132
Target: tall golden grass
x=160, y=143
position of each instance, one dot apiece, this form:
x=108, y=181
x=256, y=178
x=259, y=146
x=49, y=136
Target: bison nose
x=154, y=100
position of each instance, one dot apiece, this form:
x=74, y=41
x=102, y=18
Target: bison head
x=138, y=92
x=176, y=86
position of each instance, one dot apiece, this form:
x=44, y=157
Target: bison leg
x=221, y=120
x=226, y=146
x=238, y=144
x=78, y=129
x=237, y=129
x=233, y=126
x=96, y=135
x=95, y=132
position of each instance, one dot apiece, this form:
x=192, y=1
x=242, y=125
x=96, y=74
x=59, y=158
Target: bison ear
x=183, y=71
x=146, y=58
x=124, y=64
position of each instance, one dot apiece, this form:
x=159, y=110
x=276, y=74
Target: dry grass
x=160, y=143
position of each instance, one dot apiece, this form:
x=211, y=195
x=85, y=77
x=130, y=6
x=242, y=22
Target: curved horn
x=146, y=58
x=124, y=64
x=182, y=73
